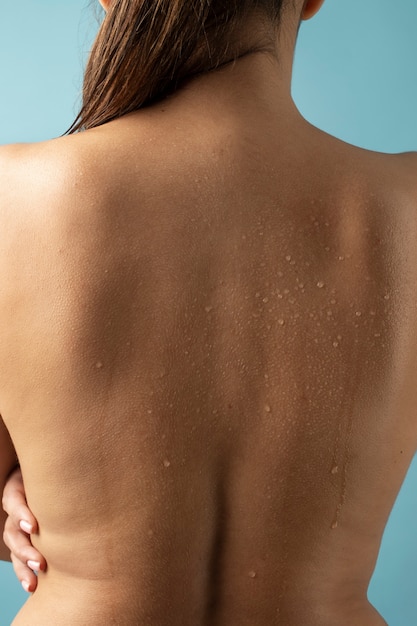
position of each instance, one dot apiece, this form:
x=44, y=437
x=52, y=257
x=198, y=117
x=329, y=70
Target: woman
x=210, y=383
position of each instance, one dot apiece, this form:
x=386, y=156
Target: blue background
x=355, y=77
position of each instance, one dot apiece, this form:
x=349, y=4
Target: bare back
x=211, y=379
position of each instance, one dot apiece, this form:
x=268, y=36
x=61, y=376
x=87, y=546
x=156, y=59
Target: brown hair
x=146, y=48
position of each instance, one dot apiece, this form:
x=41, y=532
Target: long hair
x=146, y=48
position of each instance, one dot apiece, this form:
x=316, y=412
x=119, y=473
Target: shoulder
x=30, y=173
x=50, y=182
x=389, y=178
x=40, y=166
x=409, y=158
x=400, y=183
x=50, y=203
x=403, y=165
x=407, y=161
x=378, y=174
x=53, y=239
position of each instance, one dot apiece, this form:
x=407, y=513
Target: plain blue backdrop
x=355, y=77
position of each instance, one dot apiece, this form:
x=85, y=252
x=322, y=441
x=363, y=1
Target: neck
x=261, y=74
x=254, y=83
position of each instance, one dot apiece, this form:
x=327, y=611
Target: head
x=146, y=49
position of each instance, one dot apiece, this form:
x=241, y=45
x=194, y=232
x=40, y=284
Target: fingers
x=25, y=575
x=21, y=548
x=19, y=525
x=14, y=503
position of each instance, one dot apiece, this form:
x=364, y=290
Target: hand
x=20, y=524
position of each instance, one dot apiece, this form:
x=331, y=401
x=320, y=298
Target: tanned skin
x=210, y=361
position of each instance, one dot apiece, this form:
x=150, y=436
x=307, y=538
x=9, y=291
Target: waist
x=69, y=602
x=72, y=602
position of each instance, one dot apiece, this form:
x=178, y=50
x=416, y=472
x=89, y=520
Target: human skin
x=20, y=524
x=239, y=350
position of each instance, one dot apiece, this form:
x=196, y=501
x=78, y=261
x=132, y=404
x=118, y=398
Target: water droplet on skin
x=387, y=297
x=334, y=525
x=208, y=309
x=335, y=469
x=149, y=411
x=267, y=408
x=265, y=300
x=327, y=249
x=281, y=322
x=358, y=314
x=288, y=257
x=266, y=376
x=257, y=294
x=252, y=574
x=333, y=301
x=335, y=344
x=320, y=284
x=341, y=258
x=167, y=463
x=99, y=365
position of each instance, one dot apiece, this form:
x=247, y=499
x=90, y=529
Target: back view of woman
x=211, y=313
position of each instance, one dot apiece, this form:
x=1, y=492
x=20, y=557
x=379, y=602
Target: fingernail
x=26, y=586
x=25, y=526
x=34, y=565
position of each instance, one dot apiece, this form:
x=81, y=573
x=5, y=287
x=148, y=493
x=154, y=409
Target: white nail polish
x=25, y=526
x=34, y=565
x=25, y=586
